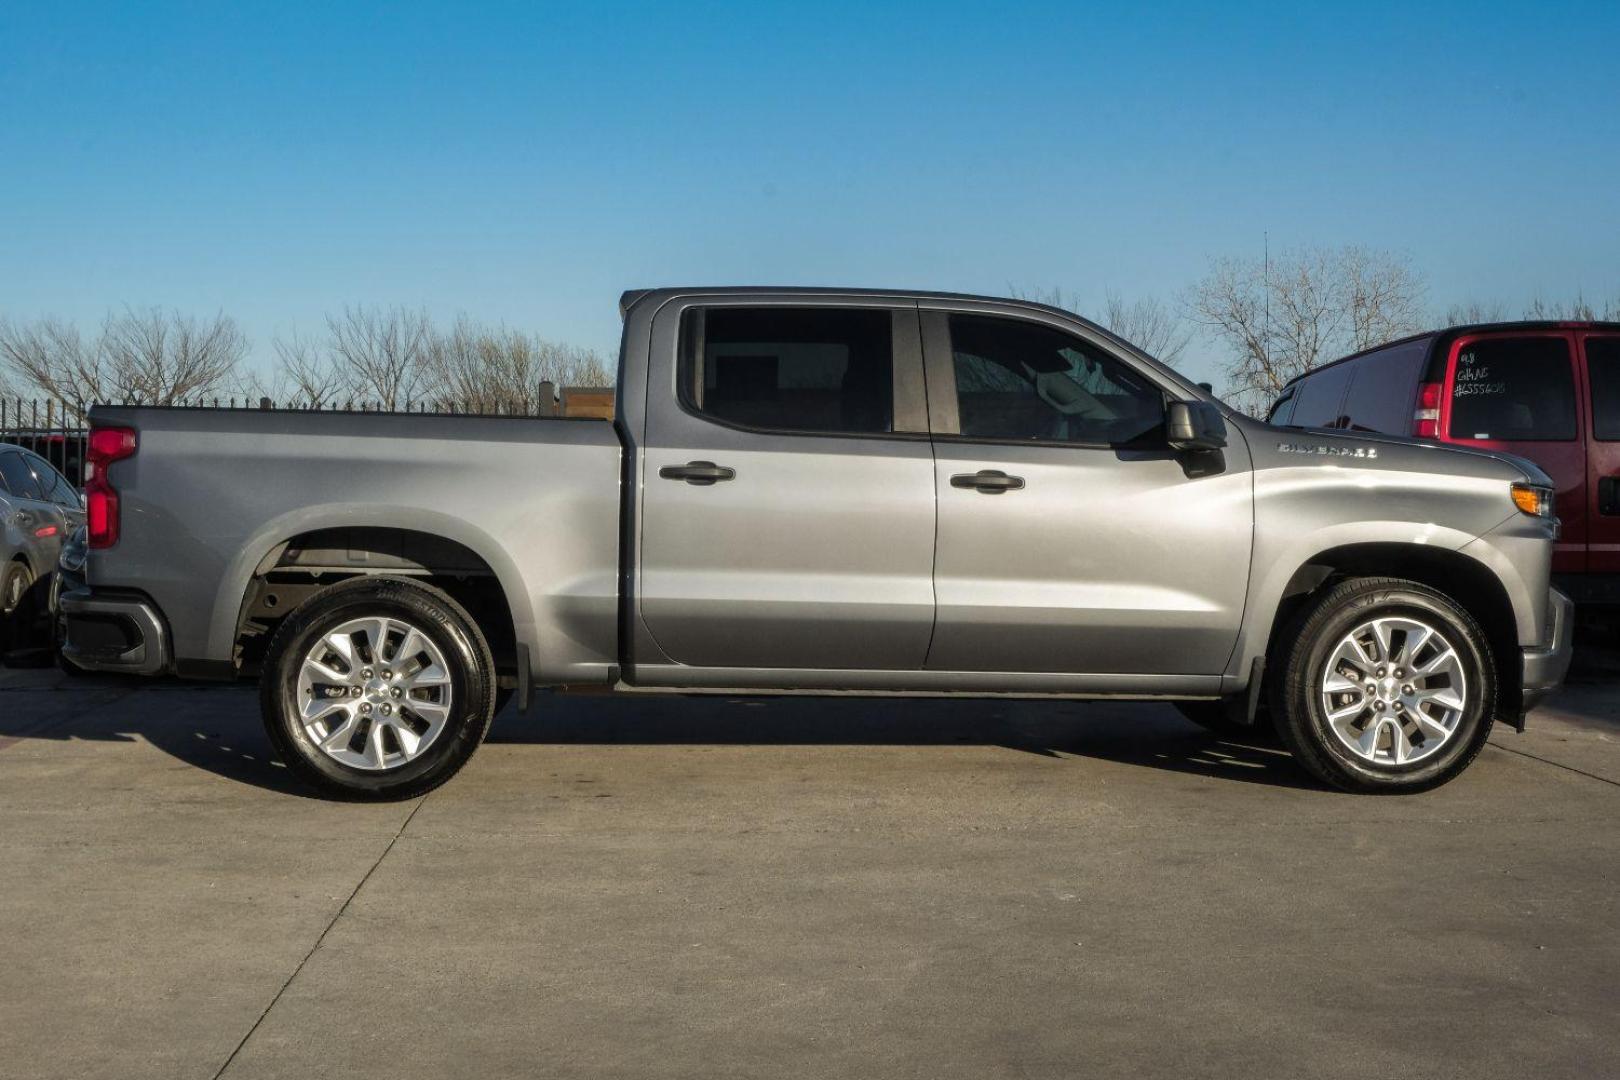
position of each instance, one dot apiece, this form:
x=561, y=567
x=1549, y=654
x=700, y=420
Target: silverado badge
x=1327, y=451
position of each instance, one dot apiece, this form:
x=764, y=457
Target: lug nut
x=387, y=709
x=1379, y=705
x=1407, y=689
x=387, y=674
x=365, y=706
x=366, y=673
x=397, y=692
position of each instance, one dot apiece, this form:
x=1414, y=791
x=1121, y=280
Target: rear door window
x=816, y=370
x=1383, y=392
x=1603, y=371
x=1319, y=401
x=1513, y=390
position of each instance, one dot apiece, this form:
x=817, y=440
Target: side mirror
x=1194, y=425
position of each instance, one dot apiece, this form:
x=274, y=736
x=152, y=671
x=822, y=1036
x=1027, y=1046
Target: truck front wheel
x=1385, y=685
x=377, y=688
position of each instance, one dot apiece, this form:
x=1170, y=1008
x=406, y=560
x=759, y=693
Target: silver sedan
x=38, y=509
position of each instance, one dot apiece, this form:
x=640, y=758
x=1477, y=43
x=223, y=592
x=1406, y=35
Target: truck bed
x=215, y=497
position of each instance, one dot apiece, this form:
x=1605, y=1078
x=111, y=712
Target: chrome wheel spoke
x=1400, y=747
x=317, y=707
x=375, y=693
x=430, y=675
x=1429, y=727
x=340, y=734
x=1335, y=683
x=1367, y=741
x=1444, y=696
x=1410, y=648
x=1383, y=634
x=409, y=741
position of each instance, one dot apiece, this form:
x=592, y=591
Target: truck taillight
x=107, y=445
x=1426, y=419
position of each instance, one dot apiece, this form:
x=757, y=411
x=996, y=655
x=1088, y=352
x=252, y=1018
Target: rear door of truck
x=787, y=487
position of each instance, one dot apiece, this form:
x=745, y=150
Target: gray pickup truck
x=810, y=490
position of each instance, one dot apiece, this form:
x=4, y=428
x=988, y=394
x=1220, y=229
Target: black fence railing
x=56, y=431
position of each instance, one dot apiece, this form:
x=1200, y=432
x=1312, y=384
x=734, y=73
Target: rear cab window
x=1512, y=389
x=812, y=370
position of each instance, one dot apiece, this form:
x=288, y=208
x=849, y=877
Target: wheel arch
x=1466, y=581
x=285, y=564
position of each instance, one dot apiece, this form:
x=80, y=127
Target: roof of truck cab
x=1460, y=329
x=631, y=297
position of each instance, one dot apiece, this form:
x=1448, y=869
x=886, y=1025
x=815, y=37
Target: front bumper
x=112, y=632
x=1544, y=668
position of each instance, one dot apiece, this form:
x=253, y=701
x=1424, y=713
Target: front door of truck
x=787, y=494
x=1071, y=538
x=1601, y=352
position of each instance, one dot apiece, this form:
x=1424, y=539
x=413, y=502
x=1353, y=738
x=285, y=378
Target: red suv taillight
x=107, y=445
x=1426, y=419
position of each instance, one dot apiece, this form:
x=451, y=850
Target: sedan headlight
x=1533, y=499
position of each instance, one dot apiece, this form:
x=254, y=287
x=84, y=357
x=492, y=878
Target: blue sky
x=527, y=162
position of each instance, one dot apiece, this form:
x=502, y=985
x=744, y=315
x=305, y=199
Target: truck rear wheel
x=377, y=688
x=1386, y=686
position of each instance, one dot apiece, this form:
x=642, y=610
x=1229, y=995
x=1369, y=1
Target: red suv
x=1548, y=391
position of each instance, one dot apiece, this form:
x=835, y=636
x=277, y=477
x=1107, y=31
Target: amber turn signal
x=1536, y=501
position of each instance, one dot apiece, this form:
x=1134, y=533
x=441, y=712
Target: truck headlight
x=1533, y=499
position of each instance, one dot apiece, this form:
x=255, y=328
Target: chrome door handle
x=988, y=481
x=699, y=473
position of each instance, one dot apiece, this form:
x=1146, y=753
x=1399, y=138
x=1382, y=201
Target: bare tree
x=1383, y=293
x=310, y=374
x=1150, y=325
x=382, y=353
x=500, y=370
x=1281, y=318
x=1577, y=310
x=1475, y=311
x=156, y=357
x=1147, y=323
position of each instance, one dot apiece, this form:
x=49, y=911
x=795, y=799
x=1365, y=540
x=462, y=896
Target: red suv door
x=1600, y=353
x=1516, y=391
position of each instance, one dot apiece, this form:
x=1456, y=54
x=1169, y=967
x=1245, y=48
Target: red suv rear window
x=1513, y=390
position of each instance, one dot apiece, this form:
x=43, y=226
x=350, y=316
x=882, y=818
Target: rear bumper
x=116, y=632
x=1544, y=668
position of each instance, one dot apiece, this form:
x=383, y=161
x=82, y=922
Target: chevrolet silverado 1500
x=825, y=490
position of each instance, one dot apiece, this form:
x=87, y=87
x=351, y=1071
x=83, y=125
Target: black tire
x=468, y=661
x=1304, y=648
x=1214, y=717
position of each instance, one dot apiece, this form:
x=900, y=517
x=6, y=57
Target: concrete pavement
x=703, y=887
